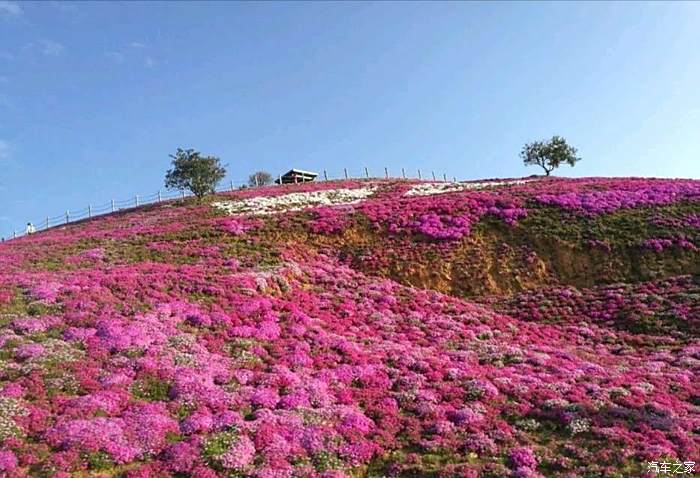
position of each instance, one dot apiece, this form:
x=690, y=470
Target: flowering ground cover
x=527, y=328
x=668, y=308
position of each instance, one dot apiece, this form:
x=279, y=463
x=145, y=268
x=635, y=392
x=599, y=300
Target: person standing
x=30, y=228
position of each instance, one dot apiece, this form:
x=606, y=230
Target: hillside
x=524, y=327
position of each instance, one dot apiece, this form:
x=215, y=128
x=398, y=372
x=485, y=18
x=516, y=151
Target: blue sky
x=94, y=96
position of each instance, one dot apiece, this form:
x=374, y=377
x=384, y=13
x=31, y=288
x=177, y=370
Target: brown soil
x=497, y=260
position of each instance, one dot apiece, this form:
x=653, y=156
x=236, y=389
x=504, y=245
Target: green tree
x=549, y=155
x=193, y=172
x=259, y=178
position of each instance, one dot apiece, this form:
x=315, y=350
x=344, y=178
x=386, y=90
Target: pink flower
x=465, y=417
x=353, y=422
x=297, y=347
x=106, y=434
x=29, y=351
x=295, y=399
x=182, y=456
x=240, y=455
x=8, y=461
x=46, y=292
x=110, y=402
x=265, y=397
x=32, y=325
x=226, y=419
x=198, y=422
x=522, y=458
x=14, y=390
x=148, y=425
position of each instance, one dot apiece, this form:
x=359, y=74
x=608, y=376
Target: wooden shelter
x=294, y=176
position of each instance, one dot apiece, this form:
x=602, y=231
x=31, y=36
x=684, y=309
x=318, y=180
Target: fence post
x=366, y=172
x=345, y=171
x=159, y=196
x=433, y=175
x=325, y=175
x=231, y=184
x=67, y=217
x=136, y=200
x=279, y=180
x=89, y=211
x=444, y=177
x=112, y=205
x=419, y=176
x=403, y=173
x=257, y=184
x=47, y=222
x=14, y=234
x=183, y=194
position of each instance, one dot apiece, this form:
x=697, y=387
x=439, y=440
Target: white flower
x=579, y=425
x=263, y=205
x=10, y=408
x=426, y=189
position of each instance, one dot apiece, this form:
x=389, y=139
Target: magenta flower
x=240, y=455
x=8, y=461
x=522, y=457
x=29, y=351
x=265, y=397
x=355, y=422
x=321, y=341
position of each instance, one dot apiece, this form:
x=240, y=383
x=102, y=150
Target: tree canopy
x=193, y=172
x=549, y=155
x=259, y=178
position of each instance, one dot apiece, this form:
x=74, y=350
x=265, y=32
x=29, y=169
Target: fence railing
x=114, y=205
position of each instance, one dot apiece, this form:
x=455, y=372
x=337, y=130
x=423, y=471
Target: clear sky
x=94, y=96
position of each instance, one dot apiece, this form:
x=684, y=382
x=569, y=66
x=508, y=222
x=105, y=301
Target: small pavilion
x=294, y=176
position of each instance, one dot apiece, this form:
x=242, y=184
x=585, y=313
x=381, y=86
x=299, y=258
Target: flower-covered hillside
x=273, y=333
